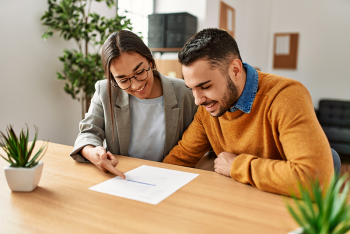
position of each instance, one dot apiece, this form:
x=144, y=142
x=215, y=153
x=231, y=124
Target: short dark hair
x=212, y=44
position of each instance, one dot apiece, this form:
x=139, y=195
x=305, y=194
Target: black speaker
x=157, y=39
x=184, y=22
x=157, y=21
x=171, y=30
x=177, y=38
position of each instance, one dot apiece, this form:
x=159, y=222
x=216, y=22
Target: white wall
x=30, y=93
x=252, y=30
x=324, y=27
x=29, y=90
x=251, y=27
x=138, y=11
x=324, y=44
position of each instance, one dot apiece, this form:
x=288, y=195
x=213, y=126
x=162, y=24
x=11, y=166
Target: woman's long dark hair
x=116, y=44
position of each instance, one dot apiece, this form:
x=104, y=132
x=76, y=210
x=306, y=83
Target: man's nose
x=198, y=97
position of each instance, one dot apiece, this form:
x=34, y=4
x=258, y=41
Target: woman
x=137, y=111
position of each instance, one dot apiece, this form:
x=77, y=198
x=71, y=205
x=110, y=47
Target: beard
x=229, y=98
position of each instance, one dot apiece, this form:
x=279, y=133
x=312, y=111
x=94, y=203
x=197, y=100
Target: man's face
x=210, y=87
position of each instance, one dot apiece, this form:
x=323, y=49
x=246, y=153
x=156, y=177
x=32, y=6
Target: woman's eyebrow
x=137, y=66
x=135, y=69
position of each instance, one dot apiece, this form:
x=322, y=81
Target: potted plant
x=24, y=172
x=322, y=212
x=74, y=20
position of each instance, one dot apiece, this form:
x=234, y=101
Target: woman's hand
x=105, y=161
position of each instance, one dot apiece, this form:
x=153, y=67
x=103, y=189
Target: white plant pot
x=22, y=179
x=297, y=231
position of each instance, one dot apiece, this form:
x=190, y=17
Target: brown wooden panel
x=224, y=9
x=170, y=68
x=288, y=61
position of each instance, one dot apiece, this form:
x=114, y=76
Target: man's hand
x=223, y=163
x=105, y=161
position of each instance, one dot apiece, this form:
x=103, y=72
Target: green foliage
x=16, y=148
x=72, y=18
x=81, y=72
x=323, y=214
x=81, y=68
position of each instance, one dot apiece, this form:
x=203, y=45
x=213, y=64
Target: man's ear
x=236, y=67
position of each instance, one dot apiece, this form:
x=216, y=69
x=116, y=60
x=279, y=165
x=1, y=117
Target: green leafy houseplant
x=323, y=212
x=82, y=68
x=17, y=150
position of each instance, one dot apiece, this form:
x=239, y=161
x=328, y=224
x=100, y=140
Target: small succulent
x=323, y=212
x=16, y=148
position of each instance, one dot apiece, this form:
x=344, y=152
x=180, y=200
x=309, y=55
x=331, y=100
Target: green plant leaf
x=7, y=160
x=10, y=157
x=26, y=141
x=33, y=142
x=295, y=216
x=71, y=20
x=339, y=204
x=35, y=158
x=343, y=228
x=10, y=144
x=309, y=209
x=305, y=217
x=330, y=214
x=16, y=148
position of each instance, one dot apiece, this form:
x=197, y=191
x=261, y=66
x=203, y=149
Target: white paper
x=282, y=45
x=146, y=184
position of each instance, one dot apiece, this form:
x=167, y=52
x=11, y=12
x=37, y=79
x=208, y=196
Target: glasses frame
x=134, y=76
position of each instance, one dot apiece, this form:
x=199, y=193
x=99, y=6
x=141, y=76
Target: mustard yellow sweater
x=279, y=143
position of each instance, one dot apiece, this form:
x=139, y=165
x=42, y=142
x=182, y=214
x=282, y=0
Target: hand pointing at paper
x=105, y=161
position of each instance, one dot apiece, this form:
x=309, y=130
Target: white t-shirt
x=147, y=128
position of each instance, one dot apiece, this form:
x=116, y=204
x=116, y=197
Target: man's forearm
x=279, y=176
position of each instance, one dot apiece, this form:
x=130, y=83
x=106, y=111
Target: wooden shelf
x=165, y=49
x=170, y=68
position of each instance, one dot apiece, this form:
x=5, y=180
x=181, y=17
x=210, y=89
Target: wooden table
x=211, y=203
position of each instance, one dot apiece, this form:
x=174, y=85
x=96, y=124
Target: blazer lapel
x=123, y=119
x=171, y=113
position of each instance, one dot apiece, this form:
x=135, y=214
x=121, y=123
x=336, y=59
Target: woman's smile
x=141, y=90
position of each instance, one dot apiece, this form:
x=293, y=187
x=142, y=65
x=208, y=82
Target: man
x=262, y=127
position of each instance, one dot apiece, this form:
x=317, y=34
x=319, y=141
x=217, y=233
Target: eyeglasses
x=125, y=83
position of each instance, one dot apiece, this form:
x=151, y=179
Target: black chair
x=334, y=117
x=336, y=162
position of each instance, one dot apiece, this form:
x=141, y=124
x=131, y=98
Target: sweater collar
x=247, y=97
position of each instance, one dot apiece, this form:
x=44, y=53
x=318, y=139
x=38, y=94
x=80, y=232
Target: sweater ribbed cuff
x=240, y=168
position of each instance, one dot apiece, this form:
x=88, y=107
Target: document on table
x=146, y=184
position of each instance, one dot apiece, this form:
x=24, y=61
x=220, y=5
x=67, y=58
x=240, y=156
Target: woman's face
x=135, y=65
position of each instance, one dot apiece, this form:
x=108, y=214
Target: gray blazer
x=179, y=110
